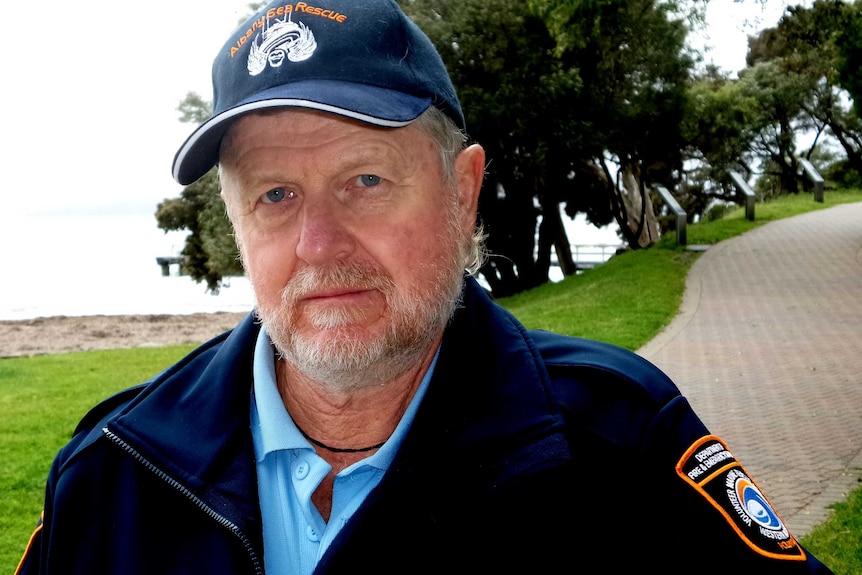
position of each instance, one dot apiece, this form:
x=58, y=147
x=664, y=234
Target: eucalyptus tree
x=560, y=93
x=808, y=49
x=720, y=125
x=634, y=64
x=849, y=44
x=514, y=93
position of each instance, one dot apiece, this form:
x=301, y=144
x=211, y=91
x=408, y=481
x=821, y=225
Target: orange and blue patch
x=713, y=471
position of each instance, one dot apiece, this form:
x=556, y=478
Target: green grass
x=42, y=399
x=838, y=541
x=625, y=301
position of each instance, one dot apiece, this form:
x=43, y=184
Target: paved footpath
x=767, y=347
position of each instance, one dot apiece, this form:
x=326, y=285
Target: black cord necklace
x=339, y=449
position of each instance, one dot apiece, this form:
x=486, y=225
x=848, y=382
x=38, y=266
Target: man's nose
x=324, y=236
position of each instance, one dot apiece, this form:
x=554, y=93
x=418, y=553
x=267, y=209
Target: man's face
x=353, y=242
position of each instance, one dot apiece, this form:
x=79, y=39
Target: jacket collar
x=192, y=422
x=489, y=396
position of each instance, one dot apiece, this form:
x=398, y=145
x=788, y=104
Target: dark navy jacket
x=530, y=451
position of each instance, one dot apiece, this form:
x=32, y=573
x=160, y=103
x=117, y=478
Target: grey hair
x=451, y=141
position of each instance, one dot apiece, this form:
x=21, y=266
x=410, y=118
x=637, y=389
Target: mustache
x=337, y=276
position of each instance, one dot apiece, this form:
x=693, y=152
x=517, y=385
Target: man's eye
x=275, y=195
x=368, y=180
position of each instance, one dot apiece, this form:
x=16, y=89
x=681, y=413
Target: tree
x=848, y=41
x=719, y=127
x=778, y=96
x=632, y=59
x=210, y=253
x=554, y=90
x=808, y=62
x=513, y=92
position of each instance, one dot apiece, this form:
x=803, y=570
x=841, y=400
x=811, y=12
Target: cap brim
x=369, y=104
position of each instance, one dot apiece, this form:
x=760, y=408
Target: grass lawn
x=42, y=398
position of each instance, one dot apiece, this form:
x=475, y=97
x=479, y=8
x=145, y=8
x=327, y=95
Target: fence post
x=813, y=176
x=746, y=191
x=677, y=211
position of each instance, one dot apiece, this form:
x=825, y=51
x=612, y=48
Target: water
x=77, y=265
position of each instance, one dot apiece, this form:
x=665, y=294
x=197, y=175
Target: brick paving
x=767, y=347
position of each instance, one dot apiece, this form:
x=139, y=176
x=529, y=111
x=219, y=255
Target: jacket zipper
x=197, y=501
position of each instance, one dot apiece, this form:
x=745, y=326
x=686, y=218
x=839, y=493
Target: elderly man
x=378, y=413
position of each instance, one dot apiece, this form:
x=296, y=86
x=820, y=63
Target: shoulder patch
x=713, y=471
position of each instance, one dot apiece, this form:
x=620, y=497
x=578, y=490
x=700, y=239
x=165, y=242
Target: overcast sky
x=90, y=91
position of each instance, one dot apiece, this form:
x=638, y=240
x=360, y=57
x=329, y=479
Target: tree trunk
x=640, y=221
x=552, y=235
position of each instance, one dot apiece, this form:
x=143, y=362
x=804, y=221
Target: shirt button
x=311, y=533
x=301, y=470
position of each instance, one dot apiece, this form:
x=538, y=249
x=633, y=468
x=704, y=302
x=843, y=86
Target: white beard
x=342, y=356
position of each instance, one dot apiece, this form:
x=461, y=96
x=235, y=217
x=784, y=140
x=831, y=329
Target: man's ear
x=470, y=171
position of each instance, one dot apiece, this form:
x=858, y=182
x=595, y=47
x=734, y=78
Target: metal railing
x=591, y=255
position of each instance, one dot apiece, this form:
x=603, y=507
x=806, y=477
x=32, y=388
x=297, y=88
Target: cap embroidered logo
x=283, y=39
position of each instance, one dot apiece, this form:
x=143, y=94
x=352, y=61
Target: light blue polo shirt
x=295, y=536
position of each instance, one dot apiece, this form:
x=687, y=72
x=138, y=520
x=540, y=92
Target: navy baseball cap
x=362, y=59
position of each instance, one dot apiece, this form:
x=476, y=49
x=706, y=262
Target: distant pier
x=166, y=263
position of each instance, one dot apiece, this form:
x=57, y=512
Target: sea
x=66, y=264
x=79, y=265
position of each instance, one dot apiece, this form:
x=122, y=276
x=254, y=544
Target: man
x=378, y=413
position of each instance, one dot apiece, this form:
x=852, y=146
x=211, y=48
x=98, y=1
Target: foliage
x=632, y=59
x=210, y=253
x=778, y=94
x=808, y=63
x=552, y=89
x=514, y=94
x=790, y=88
x=848, y=42
x=719, y=126
x=841, y=174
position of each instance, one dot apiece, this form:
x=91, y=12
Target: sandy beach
x=61, y=334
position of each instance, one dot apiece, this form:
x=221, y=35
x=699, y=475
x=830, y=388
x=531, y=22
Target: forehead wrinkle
x=340, y=151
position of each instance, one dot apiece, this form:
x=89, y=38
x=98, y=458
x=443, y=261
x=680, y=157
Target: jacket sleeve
x=88, y=429
x=681, y=495
x=33, y=560
x=724, y=513
x=30, y=562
